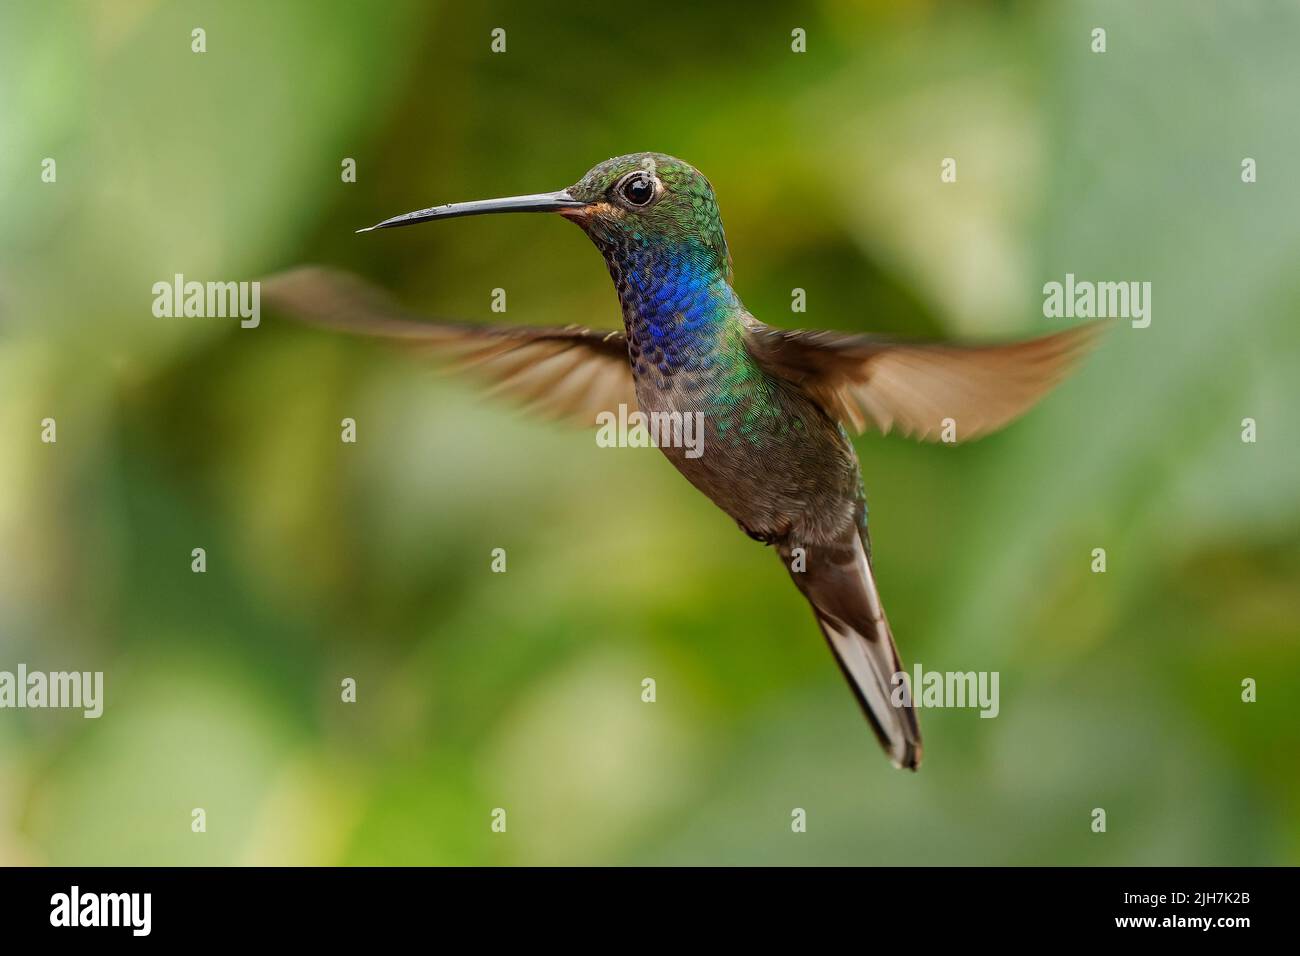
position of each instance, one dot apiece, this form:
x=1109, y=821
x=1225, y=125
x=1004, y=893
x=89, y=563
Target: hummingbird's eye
x=637, y=189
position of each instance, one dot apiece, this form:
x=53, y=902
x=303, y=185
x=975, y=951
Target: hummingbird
x=777, y=406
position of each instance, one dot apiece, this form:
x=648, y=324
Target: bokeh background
x=478, y=690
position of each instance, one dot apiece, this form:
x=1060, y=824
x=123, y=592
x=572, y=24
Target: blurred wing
x=569, y=373
x=866, y=381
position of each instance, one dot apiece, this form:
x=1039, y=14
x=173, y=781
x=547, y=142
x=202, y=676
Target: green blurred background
x=478, y=690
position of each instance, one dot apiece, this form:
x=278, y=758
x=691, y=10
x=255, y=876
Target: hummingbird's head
x=649, y=202
x=634, y=206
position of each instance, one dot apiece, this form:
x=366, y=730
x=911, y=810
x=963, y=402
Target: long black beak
x=539, y=202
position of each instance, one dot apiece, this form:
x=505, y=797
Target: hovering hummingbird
x=776, y=404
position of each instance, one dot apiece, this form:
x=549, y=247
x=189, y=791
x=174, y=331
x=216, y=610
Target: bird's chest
x=684, y=366
x=754, y=444
x=737, y=434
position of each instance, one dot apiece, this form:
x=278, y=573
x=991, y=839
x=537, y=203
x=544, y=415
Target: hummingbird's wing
x=865, y=380
x=569, y=373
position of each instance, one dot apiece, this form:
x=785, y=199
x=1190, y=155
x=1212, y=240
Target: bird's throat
x=677, y=304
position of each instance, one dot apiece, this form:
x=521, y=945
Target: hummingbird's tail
x=838, y=582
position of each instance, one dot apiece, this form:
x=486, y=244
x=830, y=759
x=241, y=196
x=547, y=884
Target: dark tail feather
x=838, y=582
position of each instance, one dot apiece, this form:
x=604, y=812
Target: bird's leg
x=766, y=537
